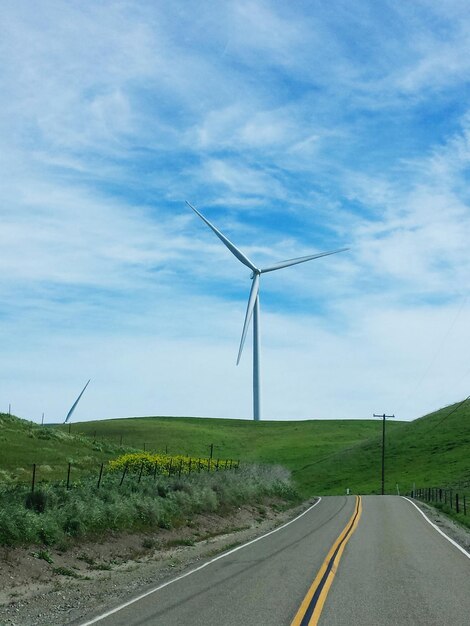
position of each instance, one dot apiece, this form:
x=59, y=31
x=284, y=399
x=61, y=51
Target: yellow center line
x=312, y=605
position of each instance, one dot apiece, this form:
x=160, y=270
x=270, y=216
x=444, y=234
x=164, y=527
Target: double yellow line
x=312, y=605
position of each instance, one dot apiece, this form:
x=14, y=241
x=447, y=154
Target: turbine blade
x=233, y=249
x=249, y=312
x=69, y=414
x=301, y=259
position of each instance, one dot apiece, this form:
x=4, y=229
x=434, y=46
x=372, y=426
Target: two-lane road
x=398, y=570
x=382, y=565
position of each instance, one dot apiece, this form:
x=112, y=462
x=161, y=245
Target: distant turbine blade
x=301, y=259
x=69, y=414
x=233, y=249
x=249, y=313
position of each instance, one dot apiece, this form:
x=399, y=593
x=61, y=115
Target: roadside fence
x=172, y=467
x=455, y=500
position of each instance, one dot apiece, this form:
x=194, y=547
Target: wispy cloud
x=295, y=128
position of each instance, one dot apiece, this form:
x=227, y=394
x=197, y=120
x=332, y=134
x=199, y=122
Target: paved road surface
x=395, y=570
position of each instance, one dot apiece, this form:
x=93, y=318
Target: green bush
x=36, y=500
x=53, y=513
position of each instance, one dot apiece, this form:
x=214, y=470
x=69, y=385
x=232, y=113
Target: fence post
x=100, y=476
x=33, y=482
x=464, y=505
x=457, y=509
x=180, y=468
x=231, y=463
x=451, y=499
x=123, y=474
x=68, y=476
x=141, y=470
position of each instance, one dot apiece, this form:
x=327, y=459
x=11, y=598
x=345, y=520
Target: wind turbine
x=74, y=405
x=253, y=309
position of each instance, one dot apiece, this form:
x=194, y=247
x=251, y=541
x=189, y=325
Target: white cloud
x=270, y=118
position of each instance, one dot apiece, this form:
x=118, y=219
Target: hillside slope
x=433, y=450
x=293, y=444
x=51, y=449
x=325, y=456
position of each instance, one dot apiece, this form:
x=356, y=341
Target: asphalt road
x=395, y=570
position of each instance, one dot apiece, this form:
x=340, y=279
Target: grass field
x=295, y=445
x=24, y=443
x=324, y=456
x=431, y=451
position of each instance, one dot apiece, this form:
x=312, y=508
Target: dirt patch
x=43, y=586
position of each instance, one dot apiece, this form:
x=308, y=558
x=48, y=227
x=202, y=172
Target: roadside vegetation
x=55, y=515
x=460, y=518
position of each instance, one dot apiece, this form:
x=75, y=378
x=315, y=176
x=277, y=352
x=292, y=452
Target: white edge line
x=454, y=543
x=196, y=569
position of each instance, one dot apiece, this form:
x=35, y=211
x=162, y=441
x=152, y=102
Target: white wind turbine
x=253, y=303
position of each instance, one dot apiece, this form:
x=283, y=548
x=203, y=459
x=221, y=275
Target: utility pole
x=383, y=416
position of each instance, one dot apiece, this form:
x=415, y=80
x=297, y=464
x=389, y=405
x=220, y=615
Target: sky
x=295, y=128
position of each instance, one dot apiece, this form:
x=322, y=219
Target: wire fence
x=171, y=467
x=457, y=501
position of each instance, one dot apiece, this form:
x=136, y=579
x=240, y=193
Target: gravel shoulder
x=46, y=586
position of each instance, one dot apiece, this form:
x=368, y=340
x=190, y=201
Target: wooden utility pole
x=383, y=416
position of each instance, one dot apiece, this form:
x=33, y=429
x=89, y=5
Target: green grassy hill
x=23, y=443
x=431, y=451
x=325, y=456
x=293, y=444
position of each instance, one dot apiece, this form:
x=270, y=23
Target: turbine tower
x=253, y=309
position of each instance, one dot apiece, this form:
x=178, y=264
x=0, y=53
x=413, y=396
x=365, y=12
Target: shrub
x=36, y=500
x=53, y=514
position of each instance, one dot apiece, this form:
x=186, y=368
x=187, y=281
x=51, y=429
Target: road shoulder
x=93, y=576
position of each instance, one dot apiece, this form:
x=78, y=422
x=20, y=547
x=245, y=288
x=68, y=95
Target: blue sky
x=295, y=129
